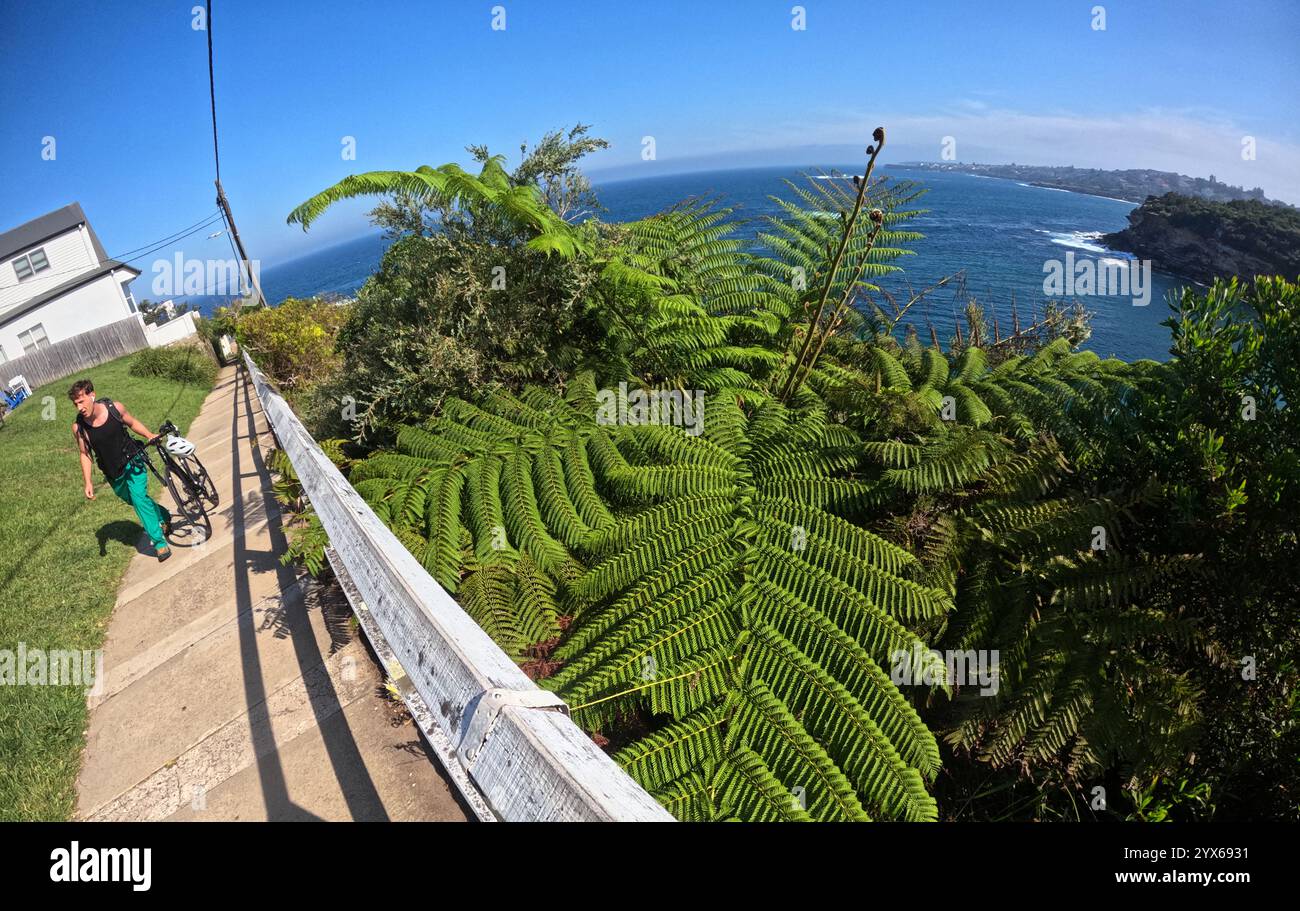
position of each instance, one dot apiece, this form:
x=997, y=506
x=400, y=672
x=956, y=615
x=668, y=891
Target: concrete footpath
x=236, y=688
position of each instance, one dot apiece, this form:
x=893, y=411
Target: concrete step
x=209, y=588
x=237, y=688
x=320, y=781
x=177, y=693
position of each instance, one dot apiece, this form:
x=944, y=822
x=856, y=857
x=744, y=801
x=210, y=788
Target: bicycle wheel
x=202, y=479
x=189, y=498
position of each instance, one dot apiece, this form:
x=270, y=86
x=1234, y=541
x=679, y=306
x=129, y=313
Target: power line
x=184, y=232
x=212, y=94
x=230, y=240
x=222, y=201
x=207, y=224
x=223, y=212
x=152, y=247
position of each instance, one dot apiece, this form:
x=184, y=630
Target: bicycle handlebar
x=166, y=428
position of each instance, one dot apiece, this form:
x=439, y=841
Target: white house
x=56, y=281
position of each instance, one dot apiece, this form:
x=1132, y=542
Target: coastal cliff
x=1132, y=185
x=1204, y=240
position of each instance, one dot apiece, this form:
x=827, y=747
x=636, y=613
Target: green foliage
x=552, y=166
x=768, y=663
x=307, y=541
x=490, y=196
x=293, y=342
x=734, y=574
x=183, y=363
x=1167, y=801
x=690, y=308
x=1166, y=683
x=696, y=585
x=489, y=284
x=1199, y=237
x=732, y=604
x=1223, y=451
x=450, y=314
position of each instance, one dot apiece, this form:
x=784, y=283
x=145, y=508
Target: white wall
x=171, y=331
x=94, y=304
x=69, y=253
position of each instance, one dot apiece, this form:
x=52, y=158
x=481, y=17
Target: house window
x=34, y=339
x=30, y=264
x=130, y=298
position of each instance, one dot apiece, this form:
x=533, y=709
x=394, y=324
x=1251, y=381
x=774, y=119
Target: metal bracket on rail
x=489, y=706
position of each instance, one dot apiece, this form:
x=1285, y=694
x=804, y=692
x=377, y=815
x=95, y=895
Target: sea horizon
x=1009, y=228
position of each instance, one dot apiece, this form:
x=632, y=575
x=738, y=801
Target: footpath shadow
x=346, y=763
x=325, y=597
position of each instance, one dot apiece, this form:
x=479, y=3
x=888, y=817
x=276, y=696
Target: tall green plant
x=712, y=579
x=490, y=195
x=730, y=606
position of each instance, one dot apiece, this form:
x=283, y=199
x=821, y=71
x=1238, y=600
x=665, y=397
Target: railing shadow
x=348, y=767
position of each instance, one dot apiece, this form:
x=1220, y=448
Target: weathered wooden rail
x=508, y=745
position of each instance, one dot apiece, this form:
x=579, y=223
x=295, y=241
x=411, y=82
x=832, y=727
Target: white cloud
x=1195, y=143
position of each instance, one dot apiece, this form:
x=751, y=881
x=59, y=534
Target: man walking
x=101, y=428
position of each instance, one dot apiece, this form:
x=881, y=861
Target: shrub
x=210, y=329
x=187, y=364
x=293, y=342
x=431, y=323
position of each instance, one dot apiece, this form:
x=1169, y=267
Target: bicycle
x=183, y=475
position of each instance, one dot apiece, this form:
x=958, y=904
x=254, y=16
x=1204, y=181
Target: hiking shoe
x=164, y=554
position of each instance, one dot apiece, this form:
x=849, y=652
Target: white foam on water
x=1079, y=240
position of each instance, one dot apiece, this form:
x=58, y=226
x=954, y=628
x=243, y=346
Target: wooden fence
x=81, y=352
x=508, y=745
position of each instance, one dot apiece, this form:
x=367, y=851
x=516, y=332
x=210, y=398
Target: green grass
x=61, y=560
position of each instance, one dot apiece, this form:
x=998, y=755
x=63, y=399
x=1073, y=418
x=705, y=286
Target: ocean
x=1000, y=232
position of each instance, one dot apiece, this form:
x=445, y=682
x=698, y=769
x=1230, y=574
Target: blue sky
x=123, y=89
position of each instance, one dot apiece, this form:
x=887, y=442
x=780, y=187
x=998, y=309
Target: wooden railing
x=508, y=745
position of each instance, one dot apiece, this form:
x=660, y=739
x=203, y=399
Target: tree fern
x=695, y=592
x=743, y=594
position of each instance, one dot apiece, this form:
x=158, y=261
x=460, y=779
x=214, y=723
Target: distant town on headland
x=1133, y=185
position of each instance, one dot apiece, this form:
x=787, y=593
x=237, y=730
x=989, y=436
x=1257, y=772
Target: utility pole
x=239, y=244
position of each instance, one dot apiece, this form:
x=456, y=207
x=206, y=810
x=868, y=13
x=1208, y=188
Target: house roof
x=75, y=282
x=49, y=225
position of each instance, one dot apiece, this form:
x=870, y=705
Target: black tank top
x=112, y=445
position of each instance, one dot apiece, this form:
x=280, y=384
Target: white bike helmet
x=179, y=446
